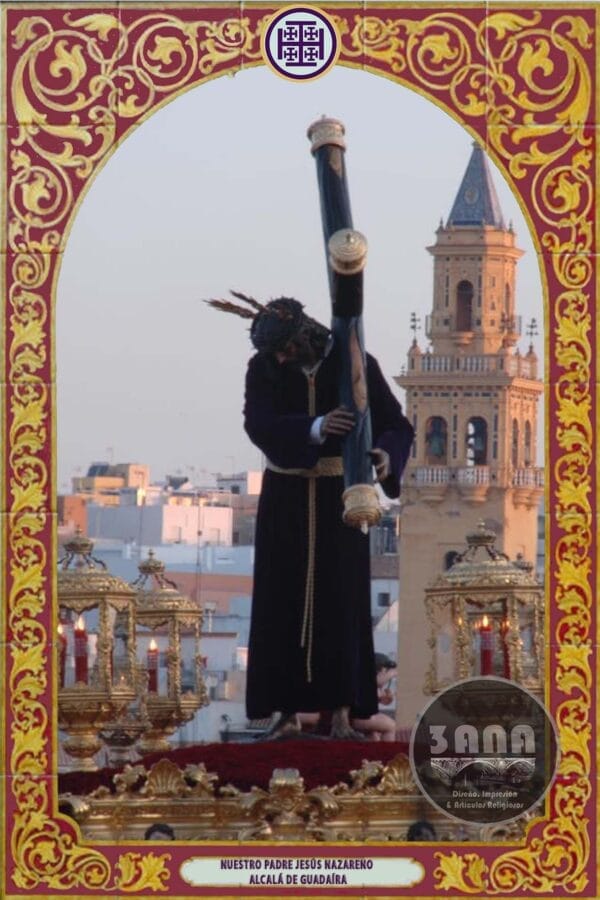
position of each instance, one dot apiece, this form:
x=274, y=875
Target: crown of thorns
x=274, y=324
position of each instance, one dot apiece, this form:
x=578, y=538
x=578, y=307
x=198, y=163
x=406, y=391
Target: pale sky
x=216, y=191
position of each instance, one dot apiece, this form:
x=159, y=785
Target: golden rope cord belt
x=327, y=465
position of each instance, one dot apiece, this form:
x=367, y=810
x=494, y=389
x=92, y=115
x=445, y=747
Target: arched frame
x=78, y=79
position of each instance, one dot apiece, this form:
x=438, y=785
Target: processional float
x=346, y=255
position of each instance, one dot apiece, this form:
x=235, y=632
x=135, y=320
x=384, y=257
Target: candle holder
x=168, y=635
x=486, y=647
x=121, y=736
x=97, y=669
x=492, y=609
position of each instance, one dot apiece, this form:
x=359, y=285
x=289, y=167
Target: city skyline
x=146, y=371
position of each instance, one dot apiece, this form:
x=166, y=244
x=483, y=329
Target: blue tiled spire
x=477, y=202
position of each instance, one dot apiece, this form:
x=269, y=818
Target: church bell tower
x=473, y=400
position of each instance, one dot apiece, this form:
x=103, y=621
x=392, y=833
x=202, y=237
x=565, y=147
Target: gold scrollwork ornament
x=445, y=52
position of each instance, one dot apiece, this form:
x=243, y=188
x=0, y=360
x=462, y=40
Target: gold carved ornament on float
x=522, y=80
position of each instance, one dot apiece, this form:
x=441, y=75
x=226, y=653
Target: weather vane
x=531, y=331
x=415, y=325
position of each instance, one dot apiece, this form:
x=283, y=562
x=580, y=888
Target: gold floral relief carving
x=143, y=872
x=532, y=82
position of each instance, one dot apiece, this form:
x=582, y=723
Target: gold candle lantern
x=97, y=670
x=486, y=618
x=166, y=619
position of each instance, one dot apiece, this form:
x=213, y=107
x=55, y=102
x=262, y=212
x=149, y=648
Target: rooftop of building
x=476, y=202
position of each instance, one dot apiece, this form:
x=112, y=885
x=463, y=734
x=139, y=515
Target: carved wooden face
x=298, y=352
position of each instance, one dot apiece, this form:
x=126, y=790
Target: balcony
x=430, y=475
x=473, y=483
x=473, y=476
x=529, y=477
x=480, y=364
x=528, y=485
x=432, y=482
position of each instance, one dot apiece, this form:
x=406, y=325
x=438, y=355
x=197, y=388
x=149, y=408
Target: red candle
x=81, y=652
x=152, y=666
x=486, y=647
x=62, y=654
x=505, y=654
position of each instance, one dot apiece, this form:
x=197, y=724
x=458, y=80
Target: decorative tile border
x=77, y=80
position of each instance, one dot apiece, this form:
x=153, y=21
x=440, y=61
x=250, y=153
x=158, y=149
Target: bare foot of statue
x=341, y=729
x=286, y=726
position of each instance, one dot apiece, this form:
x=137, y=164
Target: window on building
x=464, y=306
x=476, y=441
x=527, y=445
x=514, y=447
x=383, y=598
x=436, y=441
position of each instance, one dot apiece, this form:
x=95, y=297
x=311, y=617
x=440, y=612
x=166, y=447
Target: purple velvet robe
x=343, y=669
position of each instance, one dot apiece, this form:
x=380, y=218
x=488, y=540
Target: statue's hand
x=386, y=697
x=338, y=421
x=381, y=461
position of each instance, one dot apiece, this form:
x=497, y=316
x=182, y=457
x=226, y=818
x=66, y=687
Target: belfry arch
x=57, y=139
x=464, y=306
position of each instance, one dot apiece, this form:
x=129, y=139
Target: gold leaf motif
x=143, y=873
x=131, y=107
x=505, y=22
x=571, y=656
x=26, y=30
x=568, y=191
x=465, y=873
x=32, y=659
x=225, y=41
x=476, y=870
x=578, y=29
x=29, y=752
x=165, y=49
x=70, y=61
x=575, y=749
x=439, y=49
x=102, y=23
x=33, y=192
x=380, y=39
x=535, y=56
x=503, y=66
